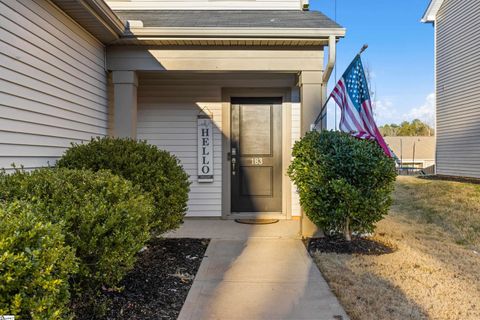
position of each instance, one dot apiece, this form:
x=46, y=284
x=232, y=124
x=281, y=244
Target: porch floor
x=256, y=272
x=229, y=229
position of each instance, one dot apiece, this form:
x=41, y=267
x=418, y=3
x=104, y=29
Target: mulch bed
x=158, y=285
x=358, y=245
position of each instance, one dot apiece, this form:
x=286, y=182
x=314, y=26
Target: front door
x=256, y=155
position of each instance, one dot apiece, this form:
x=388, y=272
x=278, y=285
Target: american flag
x=352, y=96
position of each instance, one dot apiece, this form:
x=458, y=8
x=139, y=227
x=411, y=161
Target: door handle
x=234, y=160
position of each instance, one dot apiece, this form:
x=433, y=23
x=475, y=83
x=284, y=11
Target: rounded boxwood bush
x=344, y=183
x=35, y=265
x=155, y=171
x=104, y=217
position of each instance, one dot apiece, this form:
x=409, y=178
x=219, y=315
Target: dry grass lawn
x=434, y=274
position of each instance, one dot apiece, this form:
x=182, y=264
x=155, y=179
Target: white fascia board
x=107, y=14
x=432, y=10
x=239, y=32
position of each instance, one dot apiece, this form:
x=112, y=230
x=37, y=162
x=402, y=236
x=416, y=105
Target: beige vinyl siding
x=296, y=134
x=205, y=4
x=52, y=83
x=167, y=118
x=458, y=88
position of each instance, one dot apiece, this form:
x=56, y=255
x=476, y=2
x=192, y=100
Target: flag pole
x=320, y=115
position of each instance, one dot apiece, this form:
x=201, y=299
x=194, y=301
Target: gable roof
x=432, y=10
x=229, y=19
x=232, y=27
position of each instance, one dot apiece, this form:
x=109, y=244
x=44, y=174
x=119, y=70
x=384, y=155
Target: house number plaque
x=257, y=161
x=205, y=148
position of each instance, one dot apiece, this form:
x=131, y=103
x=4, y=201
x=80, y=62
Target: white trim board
x=431, y=13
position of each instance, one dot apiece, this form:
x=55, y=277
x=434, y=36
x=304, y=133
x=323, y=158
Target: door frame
x=285, y=94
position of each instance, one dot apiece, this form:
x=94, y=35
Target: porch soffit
x=95, y=16
x=220, y=41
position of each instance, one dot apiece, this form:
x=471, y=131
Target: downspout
x=332, y=46
x=332, y=55
x=105, y=67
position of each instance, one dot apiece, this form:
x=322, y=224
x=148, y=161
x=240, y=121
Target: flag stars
x=356, y=85
x=356, y=117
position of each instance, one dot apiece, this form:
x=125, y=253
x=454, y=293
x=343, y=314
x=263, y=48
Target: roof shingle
x=229, y=19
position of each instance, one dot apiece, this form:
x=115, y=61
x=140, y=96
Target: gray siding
x=52, y=83
x=458, y=88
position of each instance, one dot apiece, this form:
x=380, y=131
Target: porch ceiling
x=176, y=41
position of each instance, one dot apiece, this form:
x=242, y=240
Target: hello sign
x=205, y=148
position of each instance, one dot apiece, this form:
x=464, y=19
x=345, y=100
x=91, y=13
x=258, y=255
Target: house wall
x=52, y=83
x=207, y=4
x=458, y=88
x=168, y=105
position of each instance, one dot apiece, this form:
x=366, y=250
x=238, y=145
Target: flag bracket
x=364, y=47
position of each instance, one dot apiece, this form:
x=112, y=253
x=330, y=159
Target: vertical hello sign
x=205, y=148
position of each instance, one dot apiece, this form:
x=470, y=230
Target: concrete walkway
x=256, y=272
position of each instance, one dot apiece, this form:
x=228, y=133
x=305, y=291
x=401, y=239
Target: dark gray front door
x=256, y=155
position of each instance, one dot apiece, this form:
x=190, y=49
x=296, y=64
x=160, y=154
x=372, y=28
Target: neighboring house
x=457, y=54
x=70, y=70
x=413, y=152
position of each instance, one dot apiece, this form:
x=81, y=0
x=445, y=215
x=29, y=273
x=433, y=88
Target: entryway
x=256, y=156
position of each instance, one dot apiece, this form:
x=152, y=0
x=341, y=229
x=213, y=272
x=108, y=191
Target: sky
x=400, y=55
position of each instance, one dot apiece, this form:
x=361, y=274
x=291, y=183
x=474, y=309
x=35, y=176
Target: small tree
x=344, y=183
x=414, y=128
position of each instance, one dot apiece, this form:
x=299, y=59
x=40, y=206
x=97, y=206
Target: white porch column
x=311, y=97
x=125, y=85
x=311, y=93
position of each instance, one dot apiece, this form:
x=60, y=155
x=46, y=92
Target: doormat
x=256, y=221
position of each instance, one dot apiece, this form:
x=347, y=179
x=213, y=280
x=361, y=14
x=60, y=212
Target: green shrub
x=155, y=171
x=35, y=265
x=344, y=183
x=105, y=218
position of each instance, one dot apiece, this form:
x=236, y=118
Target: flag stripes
x=352, y=96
